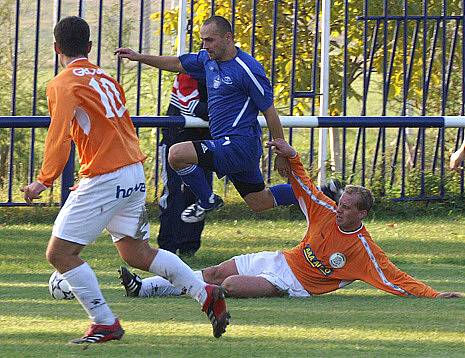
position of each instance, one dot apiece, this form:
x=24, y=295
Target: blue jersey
x=237, y=90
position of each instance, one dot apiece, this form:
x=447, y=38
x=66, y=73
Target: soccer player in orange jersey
x=88, y=107
x=335, y=251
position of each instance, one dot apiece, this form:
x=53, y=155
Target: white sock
x=84, y=285
x=171, y=267
x=199, y=275
x=158, y=286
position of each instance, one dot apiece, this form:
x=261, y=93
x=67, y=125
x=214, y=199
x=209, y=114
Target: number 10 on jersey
x=110, y=97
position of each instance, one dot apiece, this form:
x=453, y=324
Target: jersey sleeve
x=257, y=85
x=58, y=140
x=381, y=273
x=194, y=63
x=317, y=206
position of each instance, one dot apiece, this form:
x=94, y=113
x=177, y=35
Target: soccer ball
x=59, y=287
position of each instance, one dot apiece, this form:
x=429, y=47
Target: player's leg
x=79, y=222
x=135, y=286
x=250, y=286
x=183, y=159
x=159, y=286
x=261, y=274
x=130, y=232
x=281, y=195
x=139, y=254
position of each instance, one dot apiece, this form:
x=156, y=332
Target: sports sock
x=283, y=194
x=158, y=286
x=199, y=274
x=84, y=285
x=194, y=177
x=168, y=265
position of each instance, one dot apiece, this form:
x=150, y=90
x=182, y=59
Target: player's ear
x=89, y=46
x=363, y=214
x=229, y=36
x=57, y=49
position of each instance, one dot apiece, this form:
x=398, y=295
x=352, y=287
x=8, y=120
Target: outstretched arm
x=450, y=295
x=168, y=63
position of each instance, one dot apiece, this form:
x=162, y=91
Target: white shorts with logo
x=114, y=201
x=273, y=267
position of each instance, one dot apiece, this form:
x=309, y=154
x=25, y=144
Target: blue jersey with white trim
x=237, y=90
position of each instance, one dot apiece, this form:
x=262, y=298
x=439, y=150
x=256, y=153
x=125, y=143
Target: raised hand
x=124, y=52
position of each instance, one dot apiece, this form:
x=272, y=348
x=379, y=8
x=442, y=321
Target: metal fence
x=385, y=60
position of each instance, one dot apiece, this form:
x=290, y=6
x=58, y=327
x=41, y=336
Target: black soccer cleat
x=195, y=213
x=132, y=283
x=333, y=190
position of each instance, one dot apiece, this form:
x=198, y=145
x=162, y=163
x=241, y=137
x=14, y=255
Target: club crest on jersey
x=227, y=80
x=337, y=260
x=314, y=262
x=217, y=82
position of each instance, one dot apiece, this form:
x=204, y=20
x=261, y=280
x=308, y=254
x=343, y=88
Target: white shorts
x=273, y=267
x=115, y=201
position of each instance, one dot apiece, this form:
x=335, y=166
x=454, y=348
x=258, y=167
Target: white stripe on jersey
x=187, y=98
x=378, y=269
x=163, y=201
x=252, y=77
x=241, y=112
x=312, y=196
x=83, y=119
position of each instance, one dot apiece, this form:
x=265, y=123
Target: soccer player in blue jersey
x=237, y=90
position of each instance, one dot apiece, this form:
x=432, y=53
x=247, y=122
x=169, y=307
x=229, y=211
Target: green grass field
x=357, y=321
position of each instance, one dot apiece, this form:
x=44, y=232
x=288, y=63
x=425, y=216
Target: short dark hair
x=365, y=197
x=221, y=23
x=72, y=36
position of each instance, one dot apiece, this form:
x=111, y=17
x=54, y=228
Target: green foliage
x=263, y=41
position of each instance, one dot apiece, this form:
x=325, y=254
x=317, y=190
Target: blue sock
x=283, y=194
x=194, y=177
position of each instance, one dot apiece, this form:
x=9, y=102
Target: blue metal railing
x=388, y=38
x=180, y=121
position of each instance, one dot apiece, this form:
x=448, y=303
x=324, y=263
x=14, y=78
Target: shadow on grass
x=451, y=209
x=190, y=344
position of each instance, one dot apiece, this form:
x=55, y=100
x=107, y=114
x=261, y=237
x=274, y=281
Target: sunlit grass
x=356, y=321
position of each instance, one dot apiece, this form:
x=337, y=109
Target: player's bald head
x=222, y=25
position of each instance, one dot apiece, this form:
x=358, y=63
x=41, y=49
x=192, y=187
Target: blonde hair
x=365, y=197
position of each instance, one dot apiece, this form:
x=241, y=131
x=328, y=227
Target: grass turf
x=356, y=321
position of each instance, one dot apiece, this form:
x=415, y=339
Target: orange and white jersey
x=328, y=258
x=88, y=107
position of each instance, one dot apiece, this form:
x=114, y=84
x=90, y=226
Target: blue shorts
x=237, y=157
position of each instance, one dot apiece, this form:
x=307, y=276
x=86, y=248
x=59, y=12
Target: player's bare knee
x=176, y=156
x=213, y=275
x=260, y=201
x=230, y=286
x=54, y=257
x=258, y=207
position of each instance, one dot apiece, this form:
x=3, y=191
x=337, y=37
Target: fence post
x=67, y=177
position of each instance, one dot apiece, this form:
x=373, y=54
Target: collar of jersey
x=232, y=59
x=350, y=232
x=77, y=59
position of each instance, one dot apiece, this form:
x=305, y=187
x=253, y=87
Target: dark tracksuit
x=175, y=234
